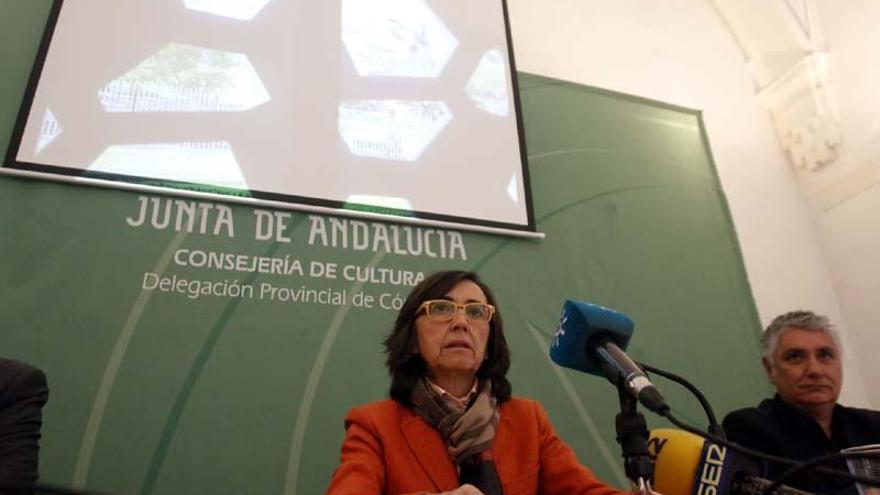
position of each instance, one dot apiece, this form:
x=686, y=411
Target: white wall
x=845, y=195
x=681, y=52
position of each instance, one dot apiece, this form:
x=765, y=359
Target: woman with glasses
x=451, y=425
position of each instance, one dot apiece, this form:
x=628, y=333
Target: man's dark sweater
x=777, y=428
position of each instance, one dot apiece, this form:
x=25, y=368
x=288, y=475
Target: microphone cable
x=795, y=464
x=820, y=460
x=714, y=427
x=718, y=430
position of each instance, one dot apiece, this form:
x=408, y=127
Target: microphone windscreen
x=578, y=324
x=677, y=456
x=686, y=464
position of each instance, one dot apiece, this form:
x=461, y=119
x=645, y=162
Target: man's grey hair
x=805, y=320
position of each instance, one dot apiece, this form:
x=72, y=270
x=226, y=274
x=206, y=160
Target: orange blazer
x=389, y=450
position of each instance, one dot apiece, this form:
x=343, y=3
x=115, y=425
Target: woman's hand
x=466, y=489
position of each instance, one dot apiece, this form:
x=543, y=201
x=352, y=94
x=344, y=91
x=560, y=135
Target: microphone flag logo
x=560, y=330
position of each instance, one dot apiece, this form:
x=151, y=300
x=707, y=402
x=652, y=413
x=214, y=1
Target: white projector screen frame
x=405, y=110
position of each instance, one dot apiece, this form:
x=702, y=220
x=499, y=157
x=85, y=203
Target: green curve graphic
x=96, y=415
x=637, y=157
x=291, y=478
x=192, y=377
x=603, y=194
x=501, y=245
x=604, y=450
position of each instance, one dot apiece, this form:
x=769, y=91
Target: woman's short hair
x=407, y=367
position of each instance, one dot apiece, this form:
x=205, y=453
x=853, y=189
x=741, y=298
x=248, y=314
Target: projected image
x=395, y=38
x=381, y=201
x=513, y=189
x=361, y=103
x=184, y=78
x=392, y=129
x=236, y=9
x=210, y=162
x=49, y=130
x=487, y=85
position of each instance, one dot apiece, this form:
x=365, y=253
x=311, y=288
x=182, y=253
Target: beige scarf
x=468, y=434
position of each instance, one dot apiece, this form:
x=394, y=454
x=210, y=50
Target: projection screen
x=405, y=108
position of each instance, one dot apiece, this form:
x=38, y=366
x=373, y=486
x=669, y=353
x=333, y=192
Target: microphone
x=685, y=464
x=591, y=338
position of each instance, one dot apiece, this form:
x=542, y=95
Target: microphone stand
x=632, y=435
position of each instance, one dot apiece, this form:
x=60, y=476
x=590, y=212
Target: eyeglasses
x=443, y=310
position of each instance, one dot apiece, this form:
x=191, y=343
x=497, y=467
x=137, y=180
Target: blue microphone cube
x=581, y=322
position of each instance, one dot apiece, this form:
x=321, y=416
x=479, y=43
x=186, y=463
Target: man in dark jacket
x=802, y=357
x=23, y=392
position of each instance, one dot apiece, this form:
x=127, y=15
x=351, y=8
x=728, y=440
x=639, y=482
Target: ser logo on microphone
x=711, y=469
x=655, y=445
